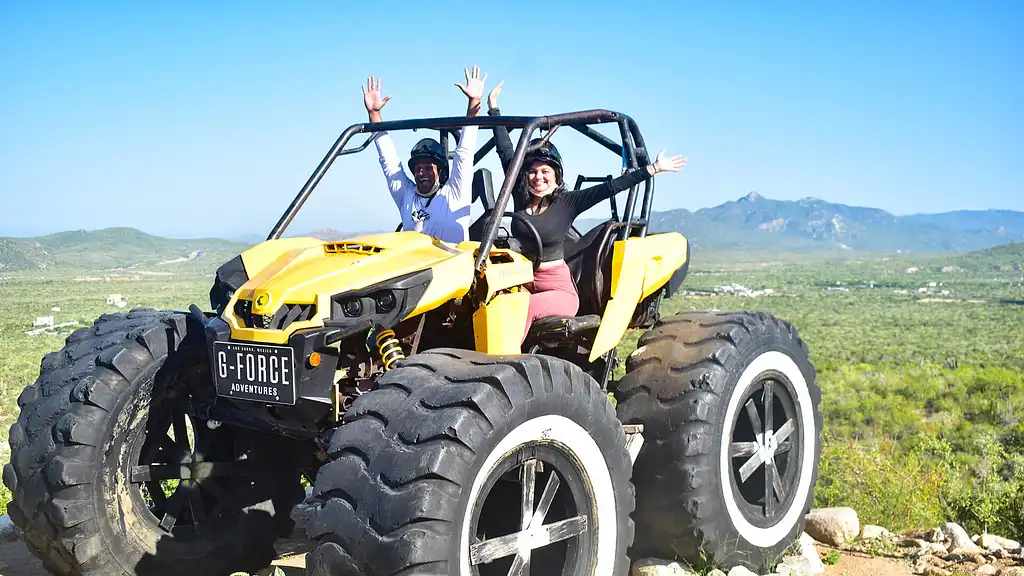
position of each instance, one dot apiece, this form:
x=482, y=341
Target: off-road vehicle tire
x=108, y=397
x=415, y=472
x=689, y=382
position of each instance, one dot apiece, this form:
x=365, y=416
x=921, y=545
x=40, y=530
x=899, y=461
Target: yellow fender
x=640, y=266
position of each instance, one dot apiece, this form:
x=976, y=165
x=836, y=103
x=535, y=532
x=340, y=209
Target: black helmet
x=431, y=150
x=546, y=153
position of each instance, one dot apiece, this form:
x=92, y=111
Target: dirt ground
x=853, y=564
x=16, y=560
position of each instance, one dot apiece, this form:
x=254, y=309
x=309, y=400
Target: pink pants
x=552, y=293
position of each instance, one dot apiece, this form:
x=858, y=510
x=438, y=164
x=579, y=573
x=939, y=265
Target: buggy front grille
x=280, y=320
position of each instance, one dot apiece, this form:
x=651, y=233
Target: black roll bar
x=631, y=151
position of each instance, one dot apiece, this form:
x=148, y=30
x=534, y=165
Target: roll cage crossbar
x=631, y=150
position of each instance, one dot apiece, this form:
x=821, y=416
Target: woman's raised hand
x=673, y=164
x=492, y=98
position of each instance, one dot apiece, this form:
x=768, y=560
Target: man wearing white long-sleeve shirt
x=434, y=202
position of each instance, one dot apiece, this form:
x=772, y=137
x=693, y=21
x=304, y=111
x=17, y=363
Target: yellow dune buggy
x=387, y=370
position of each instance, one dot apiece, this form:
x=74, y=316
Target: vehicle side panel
x=498, y=325
x=640, y=266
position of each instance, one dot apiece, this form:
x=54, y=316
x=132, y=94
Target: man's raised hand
x=474, y=86
x=372, y=99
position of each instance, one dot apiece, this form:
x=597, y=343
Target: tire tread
x=673, y=385
x=372, y=511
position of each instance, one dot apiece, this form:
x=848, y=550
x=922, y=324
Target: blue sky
x=205, y=119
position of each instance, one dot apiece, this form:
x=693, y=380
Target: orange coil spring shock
x=389, y=348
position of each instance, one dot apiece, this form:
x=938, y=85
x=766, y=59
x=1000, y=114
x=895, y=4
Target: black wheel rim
x=765, y=449
x=185, y=473
x=540, y=490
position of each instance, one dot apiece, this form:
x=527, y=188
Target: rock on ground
x=741, y=571
x=872, y=532
x=959, y=541
x=659, y=567
x=807, y=563
x=927, y=548
x=993, y=542
x=8, y=531
x=833, y=526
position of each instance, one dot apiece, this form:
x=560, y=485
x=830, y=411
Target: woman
x=551, y=209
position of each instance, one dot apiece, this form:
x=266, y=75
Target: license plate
x=255, y=372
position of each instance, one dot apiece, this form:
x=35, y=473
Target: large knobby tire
x=99, y=432
x=702, y=384
x=423, y=479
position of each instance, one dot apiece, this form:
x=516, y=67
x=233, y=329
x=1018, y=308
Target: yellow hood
x=309, y=271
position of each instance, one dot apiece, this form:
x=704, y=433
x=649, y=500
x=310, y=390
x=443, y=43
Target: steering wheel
x=533, y=231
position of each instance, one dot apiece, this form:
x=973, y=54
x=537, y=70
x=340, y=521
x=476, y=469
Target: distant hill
x=754, y=222
x=332, y=234
x=1008, y=222
x=321, y=233
x=128, y=248
x=113, y=248
x=1003, y=258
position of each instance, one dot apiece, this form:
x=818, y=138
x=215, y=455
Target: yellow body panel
x=451, y=279
x=311, y=271
x=506, y=269
x=640, y=266
x=498, y=325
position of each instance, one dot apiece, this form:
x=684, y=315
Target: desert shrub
x=987, y=494
x=926, y=484
x=886, y=485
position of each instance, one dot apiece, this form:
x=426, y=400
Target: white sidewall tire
x=577, y=442
x=768, y=537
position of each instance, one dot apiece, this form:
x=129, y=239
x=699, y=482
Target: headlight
x=352, y=308
x=385, y=302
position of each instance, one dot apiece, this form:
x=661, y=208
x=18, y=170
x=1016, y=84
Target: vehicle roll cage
x=631, y=150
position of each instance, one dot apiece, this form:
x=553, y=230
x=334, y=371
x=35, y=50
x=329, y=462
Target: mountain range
x=751, y=222
x=754, y=222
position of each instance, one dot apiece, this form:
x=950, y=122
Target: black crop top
x=554, y=223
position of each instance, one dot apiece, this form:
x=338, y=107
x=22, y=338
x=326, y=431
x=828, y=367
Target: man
x=435, y=203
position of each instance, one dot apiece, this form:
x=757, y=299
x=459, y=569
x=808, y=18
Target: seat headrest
x=483, y=187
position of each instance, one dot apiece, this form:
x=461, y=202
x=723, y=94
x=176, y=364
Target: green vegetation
x=923, y=391
x=27, y=296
